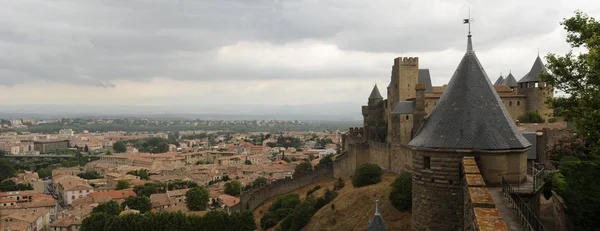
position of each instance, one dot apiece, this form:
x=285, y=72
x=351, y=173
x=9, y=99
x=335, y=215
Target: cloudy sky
x=240, y=52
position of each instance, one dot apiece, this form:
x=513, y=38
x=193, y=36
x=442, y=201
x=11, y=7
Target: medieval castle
x=428, y=130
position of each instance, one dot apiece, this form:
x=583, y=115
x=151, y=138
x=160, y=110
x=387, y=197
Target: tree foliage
x=197, y=198
x=303, y=168
x=89, y=175
x=211, y=221
x=7, y=169
x=401, y=194
x=233, y=188
x=110, y=208
x=44, y=172
x=367, y=174
x=531, y=117
x=10, y=185
x=578, y=75
x=326, y=160
x=140, y=203
x=142, y=173
x=120, y=146
x=122, y=184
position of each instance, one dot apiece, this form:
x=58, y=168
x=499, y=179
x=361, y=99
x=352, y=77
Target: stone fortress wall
x=251, y=199
x=479, y=209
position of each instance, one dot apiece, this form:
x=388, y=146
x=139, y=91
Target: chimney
x=419, y=114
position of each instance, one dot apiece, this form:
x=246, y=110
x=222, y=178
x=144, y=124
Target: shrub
x=302, y=168
x=268, y=220
x=367, y=174
x=531, y=117
x=286, y=201
x=558, y=183
x=552, y=120
x=401, y=195
x=567, y=164
x=339, y=184
x=311, y=191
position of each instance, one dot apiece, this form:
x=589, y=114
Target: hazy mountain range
x=328, y=112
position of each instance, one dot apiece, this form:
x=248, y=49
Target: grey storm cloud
x=99, y=42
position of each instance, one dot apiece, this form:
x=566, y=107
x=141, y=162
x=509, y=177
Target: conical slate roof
x=499, y=80
x=469, y=114
x=375, y=93
x=510, y=81
x=537, y=68
x=377, y=223
x=425, y=78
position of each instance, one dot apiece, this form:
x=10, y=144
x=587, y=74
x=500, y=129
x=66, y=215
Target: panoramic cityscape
x=284, y=115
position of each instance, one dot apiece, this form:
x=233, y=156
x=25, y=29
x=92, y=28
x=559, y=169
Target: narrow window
x=509, y=103
x=406, y=117
x=427, y=162
x=518, y=103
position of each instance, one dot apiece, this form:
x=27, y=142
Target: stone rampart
x=253, y=198
x=379, y=153
x=345, y=164
x=561, y=221
x=480, y=211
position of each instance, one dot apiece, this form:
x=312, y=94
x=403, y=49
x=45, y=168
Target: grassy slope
x=354, y=207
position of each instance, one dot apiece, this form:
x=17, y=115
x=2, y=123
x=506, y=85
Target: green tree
x=95, y=222
x=110, y=208
x=531, y=117
x=367, y=174
x=581, y=194
x=248, y=162
x=259, y=181
x=577, y=75
x=10, y=185
x=7, y=169
x=303, y=168
x=200, y=162
x=197, y=198
x=326, y=160
x=86, y=148
x=311, y=157
x=401, y=195
x=161, y=147
x=122, y=184
x=120, y=147
x=108, y=152
x=140, y=203
x=233, y=188
x=44, y=172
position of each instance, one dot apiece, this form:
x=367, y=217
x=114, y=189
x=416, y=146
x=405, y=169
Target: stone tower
x=408, y=76
x=392, y=100
x=405, y=76
x=536, y=90
x=469, y=119
x=375, y=117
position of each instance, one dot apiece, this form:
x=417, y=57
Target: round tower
x=462, y=124
x=536, y=90
x=376, y=118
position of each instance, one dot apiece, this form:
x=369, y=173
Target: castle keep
x=429, y=130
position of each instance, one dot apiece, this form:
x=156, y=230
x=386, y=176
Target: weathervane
x=468, y=21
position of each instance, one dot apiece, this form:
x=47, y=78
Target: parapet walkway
x=505, y=208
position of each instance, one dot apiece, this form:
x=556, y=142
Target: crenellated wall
x=251, y=199
x=479, y=210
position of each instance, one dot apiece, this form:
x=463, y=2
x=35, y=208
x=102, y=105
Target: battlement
x=356, y=130
x=480, y=212
x=365, y=109
x=406, y=61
